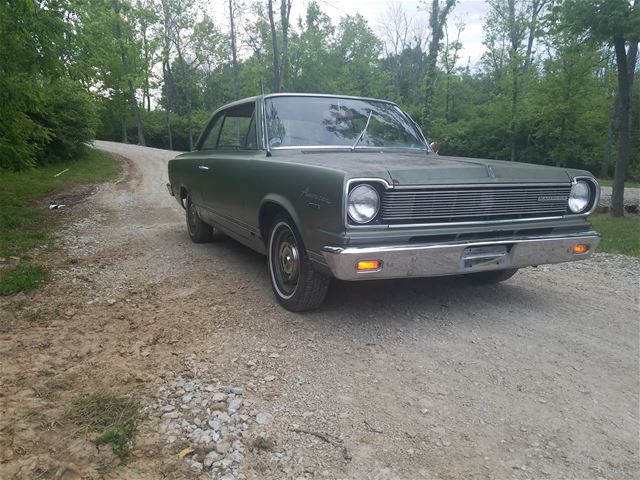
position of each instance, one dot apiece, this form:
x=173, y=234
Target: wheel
x=199, y=231
x=492, y=276
x=296, y=284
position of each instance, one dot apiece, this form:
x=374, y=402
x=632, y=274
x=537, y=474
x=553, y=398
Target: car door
x=200, y=159
x=228, y=170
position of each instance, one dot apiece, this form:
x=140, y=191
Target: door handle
x=203, y=167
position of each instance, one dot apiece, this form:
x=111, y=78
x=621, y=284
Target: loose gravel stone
x=263, y=418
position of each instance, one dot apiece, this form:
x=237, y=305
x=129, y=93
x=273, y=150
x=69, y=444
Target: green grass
x=22, y=278
x=113, y=417
x=22, y=225
x=609, y=183
x=619, y=235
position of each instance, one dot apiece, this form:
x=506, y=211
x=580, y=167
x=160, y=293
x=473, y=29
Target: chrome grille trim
x=473, y=203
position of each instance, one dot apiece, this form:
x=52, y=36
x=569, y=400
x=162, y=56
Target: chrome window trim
x=348, y=97
x=346, y=148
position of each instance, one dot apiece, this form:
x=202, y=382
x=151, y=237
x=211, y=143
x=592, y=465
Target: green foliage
x=69, y=115
x=156, y=128
x=72, y=69
x=21, y=278
x=619, y=235
x=29, y=36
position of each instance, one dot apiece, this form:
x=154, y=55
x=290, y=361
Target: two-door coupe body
x=345, y=187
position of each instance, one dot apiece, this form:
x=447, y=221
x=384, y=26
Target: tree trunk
x=133, y=103
x=277, y=81
x=234, y=54
x=613, y=122
x=514, y=112
x=125, y=127
x=187, y=97
x=437, y=20
x=167, y=115
x=136, y=113
x=285, y=12
x=632, y=56
x=166, y=72
x=624, y=137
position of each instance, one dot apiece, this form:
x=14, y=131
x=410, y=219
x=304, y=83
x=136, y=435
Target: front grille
x=463, y=204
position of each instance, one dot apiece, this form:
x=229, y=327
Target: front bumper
x=432, y=260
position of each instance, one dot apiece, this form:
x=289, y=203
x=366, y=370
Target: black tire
x=296, y=284
x=492, y=276
x=199, y=231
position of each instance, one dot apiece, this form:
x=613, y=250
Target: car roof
x=296, y=94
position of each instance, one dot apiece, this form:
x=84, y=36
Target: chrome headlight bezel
x=584, y=196
x=363, y=204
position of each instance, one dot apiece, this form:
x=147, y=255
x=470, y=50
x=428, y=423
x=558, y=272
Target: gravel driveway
x=404, y=379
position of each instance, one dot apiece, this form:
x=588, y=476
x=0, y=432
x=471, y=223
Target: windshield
x=300, y=121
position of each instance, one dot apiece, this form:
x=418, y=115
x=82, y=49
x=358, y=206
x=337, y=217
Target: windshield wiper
x=364, y=130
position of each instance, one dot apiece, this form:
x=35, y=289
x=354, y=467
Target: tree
x=313, y=61
x=280, y=48
x=437, y=19
x=511, y=22
x=358, y=49
x=616, y=22
x=124, y=43
x=234, y=50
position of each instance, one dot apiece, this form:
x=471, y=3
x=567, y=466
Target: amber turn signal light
x=364, y=265
x=577, y=249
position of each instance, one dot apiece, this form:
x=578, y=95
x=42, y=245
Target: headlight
x=580, y=197
x=363, y=203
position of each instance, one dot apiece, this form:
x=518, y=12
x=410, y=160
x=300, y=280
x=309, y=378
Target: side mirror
x=434, y=147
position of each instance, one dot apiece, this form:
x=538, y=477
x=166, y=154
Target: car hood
x=430, y=169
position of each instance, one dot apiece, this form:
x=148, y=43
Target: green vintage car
x=343, y=187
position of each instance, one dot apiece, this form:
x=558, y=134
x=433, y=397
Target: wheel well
x=268, y=212
x=183, y=197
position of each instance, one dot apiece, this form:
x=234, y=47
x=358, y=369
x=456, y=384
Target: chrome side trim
x=481, y=185
x=478, y=222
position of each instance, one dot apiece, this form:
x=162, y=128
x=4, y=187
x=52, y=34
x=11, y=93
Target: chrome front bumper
x=432, y=260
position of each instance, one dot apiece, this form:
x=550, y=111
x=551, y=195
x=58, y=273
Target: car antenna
x=362, y=133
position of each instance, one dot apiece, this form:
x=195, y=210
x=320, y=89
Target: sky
x=470, y=12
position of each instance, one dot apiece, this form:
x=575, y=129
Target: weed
x=114, y=417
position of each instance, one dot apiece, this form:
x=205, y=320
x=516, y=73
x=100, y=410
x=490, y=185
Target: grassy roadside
x=609, y=183
x=620, y=235
x=22, y=226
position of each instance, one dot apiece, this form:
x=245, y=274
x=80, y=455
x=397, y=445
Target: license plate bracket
x=484, y=256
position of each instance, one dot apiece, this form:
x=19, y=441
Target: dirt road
x=432, y=378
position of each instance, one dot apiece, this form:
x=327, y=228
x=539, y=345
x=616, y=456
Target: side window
x=234, y=132
x=214, y=132
x=233, y=129
x=251, y=141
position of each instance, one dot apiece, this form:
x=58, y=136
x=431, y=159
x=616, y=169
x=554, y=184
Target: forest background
x=556, y=84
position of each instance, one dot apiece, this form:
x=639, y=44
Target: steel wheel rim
x=192, y=218
x=284, y=260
